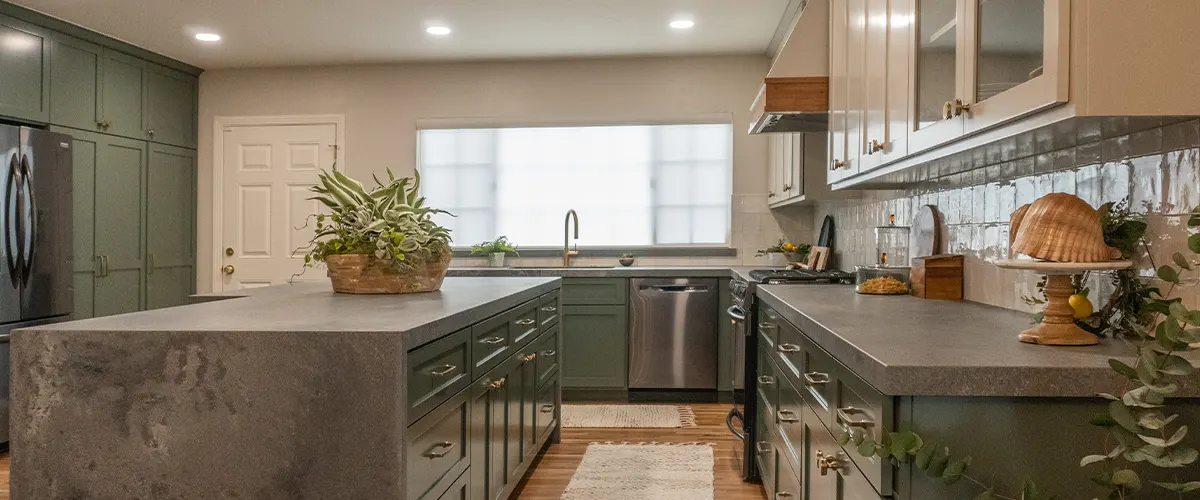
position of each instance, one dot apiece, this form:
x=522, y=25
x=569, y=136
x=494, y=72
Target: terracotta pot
x=360, y=273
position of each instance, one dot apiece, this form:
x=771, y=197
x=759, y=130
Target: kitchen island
x=292, y=392
x=831, y=360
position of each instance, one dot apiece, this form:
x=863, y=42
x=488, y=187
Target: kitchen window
x=647, y=185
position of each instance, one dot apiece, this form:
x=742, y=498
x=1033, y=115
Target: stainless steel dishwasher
x=673, y=333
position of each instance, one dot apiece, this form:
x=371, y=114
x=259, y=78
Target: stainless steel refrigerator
x=35, y=238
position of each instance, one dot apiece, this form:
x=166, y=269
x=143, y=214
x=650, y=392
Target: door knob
x=229, y=251
x=227, y=269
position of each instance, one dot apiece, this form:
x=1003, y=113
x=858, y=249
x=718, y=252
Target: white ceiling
x=309, y=32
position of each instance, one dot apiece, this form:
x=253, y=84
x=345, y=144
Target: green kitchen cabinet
x=524, y=394
x=75, y=70
x=170, y=106
x=170, y=223
x=123, y=79
x=24, y=71
x=109, y=178
x=490, y=397
x=595, y=346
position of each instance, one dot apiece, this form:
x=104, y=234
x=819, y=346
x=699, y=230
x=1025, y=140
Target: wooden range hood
x=792, y=104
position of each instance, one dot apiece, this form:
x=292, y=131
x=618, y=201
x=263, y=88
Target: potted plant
x=378, y=241
x=495, y=250
x=626, y=259
x=779, y=254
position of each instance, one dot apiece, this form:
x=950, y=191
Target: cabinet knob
x=960, y=108
x=499, y=384
x=837, y=164
x=151, y=132
x=770, y=194
x=787, y=187
x=875, y=146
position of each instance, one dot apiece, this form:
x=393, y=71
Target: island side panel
x=185, y=415
x=1013, y=439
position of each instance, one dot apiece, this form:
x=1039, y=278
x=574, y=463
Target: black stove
x=786, y=276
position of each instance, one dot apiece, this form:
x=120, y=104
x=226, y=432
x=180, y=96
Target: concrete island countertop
x=906, y=346
x=237, y=398
x=609, y=272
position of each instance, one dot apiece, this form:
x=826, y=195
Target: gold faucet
x=567, y=252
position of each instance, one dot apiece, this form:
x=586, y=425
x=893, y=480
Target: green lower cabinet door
x=119, y=235
x=525, y=387
x=489, y=425
x=595, y=343
x=84, y=284
x=170, y=226
x=118, y=292
x=24, y=71
x=84, y=147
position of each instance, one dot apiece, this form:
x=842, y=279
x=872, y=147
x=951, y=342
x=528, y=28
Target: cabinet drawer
x=818, y=380
x=768, y=328
x=548, y=309
x=764, y=455
x=460, y=490
x=490, y=341
x=523, y=321
x=595, y=291
x=437, y=371
x=788, y=479
x=857, y=404
x=842, y=476
x=789, y=351
x=547, y=410
x=547, y=354
x=767, y=383
x=437, y=448
x=789, y=422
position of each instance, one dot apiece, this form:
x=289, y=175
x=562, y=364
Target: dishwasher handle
x=676, y=288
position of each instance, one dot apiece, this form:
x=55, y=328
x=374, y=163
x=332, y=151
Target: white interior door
x=267, y=172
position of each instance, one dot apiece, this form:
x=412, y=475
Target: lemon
x=1081, y=305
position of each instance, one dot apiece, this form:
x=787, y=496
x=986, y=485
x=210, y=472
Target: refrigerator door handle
x=32, y=229
x=10, y=197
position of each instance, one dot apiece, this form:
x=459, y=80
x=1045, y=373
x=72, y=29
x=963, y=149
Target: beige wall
x=383, y=104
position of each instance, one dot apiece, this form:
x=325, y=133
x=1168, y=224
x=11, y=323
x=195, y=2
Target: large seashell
x=1060, y=227
x=1014, y=223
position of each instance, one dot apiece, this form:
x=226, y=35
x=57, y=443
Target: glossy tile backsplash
x=1153, y=163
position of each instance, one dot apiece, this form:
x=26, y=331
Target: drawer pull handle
x=763, y=446
x=816, y=378
x=549, y=309
x=443, y=371
x=766, y=379
x=828, y=462
x=525, y=322
x=547, y=408
x=528, y=357
x=844, y=416
x=549, y=354
x=492, y=340
x=788, y=348
x=791, y=419
x=784, y=494
x=499, y=384
x=767, y=326
x=434, y=451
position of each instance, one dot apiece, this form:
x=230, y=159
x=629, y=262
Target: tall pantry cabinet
x=132, y=116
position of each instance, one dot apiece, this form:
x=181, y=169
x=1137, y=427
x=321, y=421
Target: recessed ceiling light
x=208, y=37
x=438, y=30
x=682, y=24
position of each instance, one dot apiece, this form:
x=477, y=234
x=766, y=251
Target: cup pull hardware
x=816, y=378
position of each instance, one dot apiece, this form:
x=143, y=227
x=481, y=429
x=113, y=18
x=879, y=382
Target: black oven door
x=741, y=417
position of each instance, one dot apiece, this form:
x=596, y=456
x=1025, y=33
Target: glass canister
x=891, y=244
x=883, y=280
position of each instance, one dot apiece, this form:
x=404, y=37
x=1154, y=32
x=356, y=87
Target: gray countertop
x=905, y=346
x=313, y=307
x=608, y=272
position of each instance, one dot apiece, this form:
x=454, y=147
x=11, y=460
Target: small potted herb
x=626, y=259
x=495, y=250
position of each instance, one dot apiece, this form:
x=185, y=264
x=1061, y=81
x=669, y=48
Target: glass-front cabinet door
x=838, y=89
x=1019, y=59
x=937, y=61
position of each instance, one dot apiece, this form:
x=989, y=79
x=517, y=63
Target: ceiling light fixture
x=438, y=30
x=208, y=37
x=682, y=24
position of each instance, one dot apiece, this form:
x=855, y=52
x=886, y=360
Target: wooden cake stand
x=1058, y=320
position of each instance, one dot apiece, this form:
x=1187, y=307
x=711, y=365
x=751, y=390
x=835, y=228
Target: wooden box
x=938, y=277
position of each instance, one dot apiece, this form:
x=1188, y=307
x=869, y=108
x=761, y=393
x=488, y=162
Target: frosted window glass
x=709, y=225
x=631, y=185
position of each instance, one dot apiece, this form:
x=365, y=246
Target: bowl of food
x=883, y=280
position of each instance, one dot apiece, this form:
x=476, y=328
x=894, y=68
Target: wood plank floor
x=552, y=472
